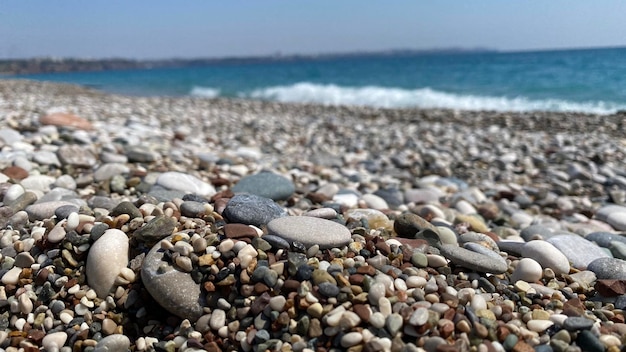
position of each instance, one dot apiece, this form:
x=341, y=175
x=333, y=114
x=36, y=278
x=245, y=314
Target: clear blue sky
x=205, y=28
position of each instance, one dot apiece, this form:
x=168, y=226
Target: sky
x=152, y=29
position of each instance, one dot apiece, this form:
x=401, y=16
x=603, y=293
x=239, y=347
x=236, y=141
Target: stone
x=41, y=211
x=155, y=230
x=528, y=270
x=370, y=218
x=54, y=341
x=486, y=260
x=310, y=231
x=40, y=183
x=614, y=215
x=186, y=183
x=547, y=255
x=251, y=209
x=267, y=185
x=113, y=343
x=174, y=290
x=105, y=261
x=579, y=251
x=375, y=202
x=536, y=232
x=128, y=208
x=77, y=156
x=65, y=120
x=604, y=239
x=608, y=268
x=408, y=225
x=107, y=171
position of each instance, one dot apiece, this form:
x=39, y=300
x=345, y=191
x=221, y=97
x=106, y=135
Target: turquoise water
x=592, y=80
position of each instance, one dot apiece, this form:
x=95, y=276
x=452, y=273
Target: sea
x=582, y=80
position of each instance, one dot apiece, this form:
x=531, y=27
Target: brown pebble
x=363, y=311
x=522, y=346
x=611, y=288
x=239, y=231
x=481, y=330
x=573, y=308
x=65, y=120
x=15, y=173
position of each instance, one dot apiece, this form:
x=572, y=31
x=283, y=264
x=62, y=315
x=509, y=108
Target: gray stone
x=102, y=202
x=408, y=225
x=77, y=156
x=57, y=194
x=126, y=207
x=251, y=209
x=577, y=323
x=10, y=136
x=192, y=209
x=155, y=230
x=21, y=202
x=604, y=239
x=266, y=184
x=186, y=183
x=588, y=342
x=478, y=259
x=608, y=268
x=139, y=154
x=579, y=251
x=41, y=211
x=165, y=195
x=106, y=171
x=547, y=255
x=422, y=196
x=614, y=215
x=174, y=290
x=63, y=212
x=618, y=249
x=113, y=343
x=392, y=196
x=65, y=181
x=38, y=183
x=536, y=232
x=310, y=231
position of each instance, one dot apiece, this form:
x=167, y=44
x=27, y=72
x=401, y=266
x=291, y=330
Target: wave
x=331, y=94
x=205, y=92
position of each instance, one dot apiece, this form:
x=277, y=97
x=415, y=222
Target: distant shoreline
x=58, y=65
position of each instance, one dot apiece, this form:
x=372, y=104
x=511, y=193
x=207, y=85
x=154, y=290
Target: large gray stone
x=184, y=182
x=266, y=184
x=579, y=251
x=174, y=290
x=251, y=209
x=608, y=268
x=310, y=231
x=547, y=255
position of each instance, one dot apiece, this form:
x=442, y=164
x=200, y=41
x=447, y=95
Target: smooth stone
x=408, y=225
x=392, y=196
x=10, y=136
x=483, y=261
x=614, y=215
x=40, y=183
x=527, y=270
x=41, y=211
x=105, y=261
x=324, y=213
x=58, y=194
x=77, y=156
x=184, y=182
x=419, y=317
x=251, y=209
x=604, y=239
x=310, y=231
x=375, y=218
x=24, y=260
x=374, y=202
x=577, y=323
x=45, y=157
x=547, y=255
x=13, y=193
x=422, y=196
x=54, y=341
x=113, y=343
x=536, y=232
x=588, y=342
x=618, y=249
x=63, y=119
x=65, y=181
x=192, y=209
x=174, y=290
x=64, y=211
x=128, y=208
x=267, y=185
x=107, y=171
x=608, y=268
x=539, y=325
x=21, y=202
x=579, y=251
x=140, y=154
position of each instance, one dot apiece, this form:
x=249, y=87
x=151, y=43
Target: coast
x=305, y=227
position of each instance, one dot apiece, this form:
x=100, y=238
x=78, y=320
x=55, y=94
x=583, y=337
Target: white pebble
x=72, y=221
x=54, y=341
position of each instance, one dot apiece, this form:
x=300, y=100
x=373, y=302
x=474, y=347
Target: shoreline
x=305, y=227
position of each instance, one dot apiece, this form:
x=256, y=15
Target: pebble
x=528, y=270
x=113, y=343
x=579, y=251
x=266, y=185
x=106, y=259
x=310, y=231
x=250, y=209
x=608, y=268
x=187, y=183
x=546, y=255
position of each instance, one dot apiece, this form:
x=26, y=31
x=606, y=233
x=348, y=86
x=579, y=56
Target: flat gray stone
x=604, y=239
x=266, y=184
x=310, y=231
x=608, y=268
x=614, y=215
x=547, y=255
x=476, y=257
x=41, y=211
x=251, y=209
x=536, y=232
x=106, y=171
x=174, y=290
x=579, y=251
x=77, y=156
x=179, y=181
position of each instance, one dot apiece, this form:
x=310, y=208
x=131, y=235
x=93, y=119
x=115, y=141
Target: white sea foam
x=205, y=92
x=330, y=94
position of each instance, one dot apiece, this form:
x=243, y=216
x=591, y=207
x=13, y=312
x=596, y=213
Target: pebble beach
x=192, y=224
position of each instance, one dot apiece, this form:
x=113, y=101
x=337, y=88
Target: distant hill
x=52, y=65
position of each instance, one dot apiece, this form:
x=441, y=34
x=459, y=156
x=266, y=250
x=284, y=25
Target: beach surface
x=190, y=224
